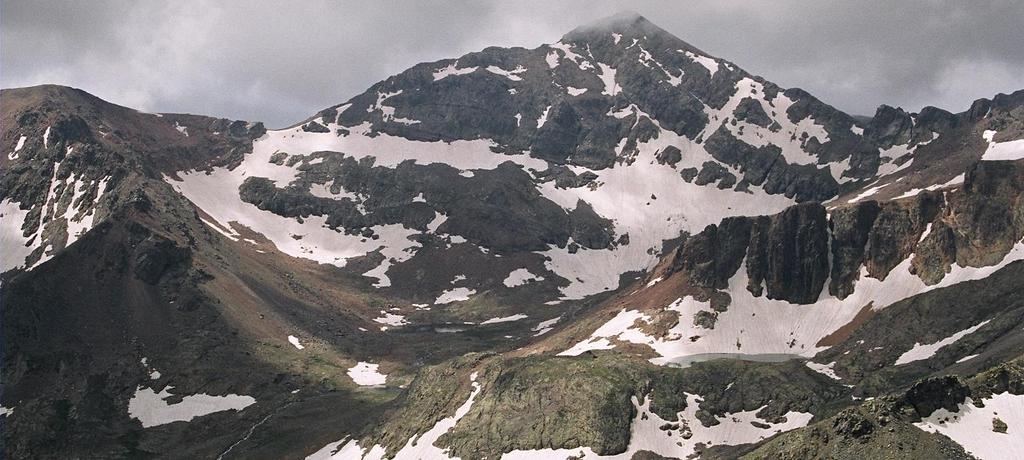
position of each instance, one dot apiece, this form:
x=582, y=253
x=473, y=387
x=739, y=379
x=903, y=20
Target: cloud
x=282, y=61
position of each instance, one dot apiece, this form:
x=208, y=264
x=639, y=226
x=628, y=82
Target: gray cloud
x=261, y=60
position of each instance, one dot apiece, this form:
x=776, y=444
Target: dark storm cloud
x=279, y=63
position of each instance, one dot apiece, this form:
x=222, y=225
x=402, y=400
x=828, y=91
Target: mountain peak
x=628, y=24
x=624, y=22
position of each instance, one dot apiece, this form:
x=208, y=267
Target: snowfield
x=971, y=426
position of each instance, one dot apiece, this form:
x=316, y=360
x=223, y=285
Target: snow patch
x=544, y=327
x=458, y=294
x=509, y=74
x=607, y=77
x=150, y=407
x=575, y=91
x=920, y=352
x=366, y=374
x=707, y=62
x=826, y=369
x=519, y=277
x=1009, y=150
x=505, y=319
x=452, y=69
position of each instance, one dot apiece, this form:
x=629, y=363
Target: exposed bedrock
x=789, y=256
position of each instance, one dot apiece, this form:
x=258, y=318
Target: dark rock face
x=797, y=254
x=936, y=393
x=896, y=231
x=991, y=216
x=786, y=252
x=850, y=229
x=712, y=256
x=154, y=256
x=713, y=172
x=751, y=111
x=766, y=166
x=670, y=155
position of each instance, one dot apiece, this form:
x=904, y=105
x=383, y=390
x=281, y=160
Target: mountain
x=612, y=245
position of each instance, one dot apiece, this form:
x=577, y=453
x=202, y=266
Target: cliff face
x=790, y=256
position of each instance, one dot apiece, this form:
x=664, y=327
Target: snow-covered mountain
x=553, y=243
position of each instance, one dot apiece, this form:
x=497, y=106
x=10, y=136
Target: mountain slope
x=615, y=244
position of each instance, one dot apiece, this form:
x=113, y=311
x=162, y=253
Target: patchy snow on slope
x=794, y=329
x=707, y=62
x=150, y=407
x=790, y=137
x=46, y=138
x=509, y=74
x=971, y=426
x=913, y=192
x=619, y=196
x=227, y=231
x=519, y=277
x=366, y=374
x=324, y=191
x=389, y=234
x=571, y=55
x=295, y=342
x=544, y=327
x=416, y=448
x=14, y=246
x=826, y=369
x=1009, y=150
x=925, y=351
x=21, y=143
x=390, y=319
x=217, y=194
x=870, y=191
x=454, y=295
x=575, y=91
x=64, y=203
x=505, y=319
x=181, y=129
x=607, y=77
x=681, y=441
x=543, y=117
x=83, y=217
x=452, y=69
x=598, y=340
x=927, y=231
x=552, y=59
x=966, y=358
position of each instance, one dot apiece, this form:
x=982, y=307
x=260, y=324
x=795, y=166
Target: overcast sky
x=259, y=60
